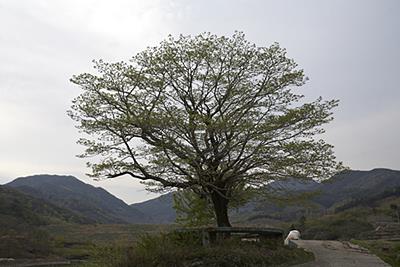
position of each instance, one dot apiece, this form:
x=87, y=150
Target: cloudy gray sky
x=350, y=50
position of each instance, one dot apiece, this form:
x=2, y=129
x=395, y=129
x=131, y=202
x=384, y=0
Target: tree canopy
x=214, y=115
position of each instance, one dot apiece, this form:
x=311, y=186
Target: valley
x=61, y=218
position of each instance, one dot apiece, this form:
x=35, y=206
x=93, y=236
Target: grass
x=24, y=244
x=145, y=245
x=86, y=242
x=103, y=234
x=336, y=229
x=351, y=224
x=177, y=250
x=68, y=241
x=388, y=251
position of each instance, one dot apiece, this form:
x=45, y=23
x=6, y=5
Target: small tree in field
x=213, y=115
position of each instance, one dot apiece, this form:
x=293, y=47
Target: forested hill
x=341, y=188
x=160, y=209
x=357, y=184
x=17, y=208
x=86, y=200
x=98, y=205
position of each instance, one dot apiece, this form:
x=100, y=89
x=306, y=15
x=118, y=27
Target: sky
x=348, y=49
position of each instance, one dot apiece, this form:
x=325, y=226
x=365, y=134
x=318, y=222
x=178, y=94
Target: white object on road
x=293, y=235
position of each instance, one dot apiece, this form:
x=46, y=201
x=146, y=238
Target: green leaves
x=207, y=112
x=192, y=210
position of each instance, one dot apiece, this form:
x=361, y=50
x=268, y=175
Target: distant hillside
x=357, y=184
x=22, y=218
x=84, y=199
x=371, y=201
x=312, y=197
x=369, y=217
x=339, y=189
x=17, y=209
x=336, y=191
x=159, y=209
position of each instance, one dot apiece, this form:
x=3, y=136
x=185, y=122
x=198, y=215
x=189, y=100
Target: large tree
x=213, y=115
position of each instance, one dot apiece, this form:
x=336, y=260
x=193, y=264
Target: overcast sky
x=350, y=50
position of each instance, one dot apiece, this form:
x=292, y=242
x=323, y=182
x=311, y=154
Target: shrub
x=336, y=228
x=185, y=249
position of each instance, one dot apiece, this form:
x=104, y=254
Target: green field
x=140, y=245
x=81, y=242
x=101, y=234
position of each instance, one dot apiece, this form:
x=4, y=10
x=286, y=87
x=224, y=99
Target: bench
x=210, y=235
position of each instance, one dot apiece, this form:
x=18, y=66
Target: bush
x=336, y=229
x=185, y=249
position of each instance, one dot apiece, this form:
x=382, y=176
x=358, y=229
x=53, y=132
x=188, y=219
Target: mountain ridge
x=340, y=188
x=102, y=207
x=84, y=199
x=21, y=208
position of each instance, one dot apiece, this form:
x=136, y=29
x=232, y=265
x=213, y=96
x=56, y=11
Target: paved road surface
x=338, y=254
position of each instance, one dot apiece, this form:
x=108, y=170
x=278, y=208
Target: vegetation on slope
x=86, y=200
x=389, y=251
x=358, y=218
x=21, y=218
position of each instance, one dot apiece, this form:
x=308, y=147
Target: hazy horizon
x=348, y=49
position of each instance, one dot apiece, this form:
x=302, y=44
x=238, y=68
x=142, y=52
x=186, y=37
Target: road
x=338, y=254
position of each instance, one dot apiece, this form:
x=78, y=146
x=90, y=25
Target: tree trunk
x=220, y=204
